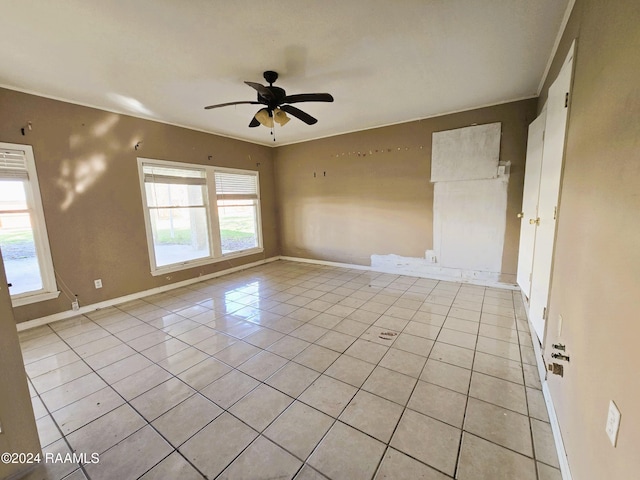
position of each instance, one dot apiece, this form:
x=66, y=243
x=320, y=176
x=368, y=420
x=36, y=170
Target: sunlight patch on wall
x=78, y=175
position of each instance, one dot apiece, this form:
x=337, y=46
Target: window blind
x=174, y=176
x=13, y=164
x=235, y=186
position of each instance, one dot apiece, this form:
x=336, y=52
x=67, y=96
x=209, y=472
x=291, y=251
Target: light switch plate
x=98, y=283
x=613, y=423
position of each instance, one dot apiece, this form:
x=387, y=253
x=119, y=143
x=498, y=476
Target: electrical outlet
x=613, y=423
x=98, y=283
x=75, y=306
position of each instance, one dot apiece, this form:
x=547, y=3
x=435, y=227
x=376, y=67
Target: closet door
x=529, y=212
x=550, y=176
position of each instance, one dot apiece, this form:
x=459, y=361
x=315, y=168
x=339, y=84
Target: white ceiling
x=384, y=61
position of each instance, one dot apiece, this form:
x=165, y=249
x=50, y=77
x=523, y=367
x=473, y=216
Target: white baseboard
x=548, y=400
x=134, y=296
x=409, y=273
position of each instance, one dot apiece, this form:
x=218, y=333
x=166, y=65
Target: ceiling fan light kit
x=277, y=103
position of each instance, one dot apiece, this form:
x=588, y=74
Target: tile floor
x=293, y=370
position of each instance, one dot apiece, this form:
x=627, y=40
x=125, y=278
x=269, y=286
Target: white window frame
x=216, y=254
x=49, y=289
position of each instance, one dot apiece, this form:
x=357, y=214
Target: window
x=198, y=214
x=23, y=233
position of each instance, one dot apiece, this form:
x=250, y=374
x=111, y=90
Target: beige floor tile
x=51, y=363
x=105, y=342
x=460, y=339
x=439, y=403
x=39, y=409
x=317, y=358
x=229, y=388
x=545, y=472
x=172, y=467
x=374, y=334
x=461, y=357
x=414, y=344
x=350, y=370
x=497, y=320
x=226, y=435
x=62, y=375
x=72, y=391
x=288, y=347
x=537, y=405
x=336, y=341
x=398, y=466
x=447, y=375
x=428, y=440
x=262, y=460
x=292, y=379
x=403, y=362
x=498, y=367
x=45, y=351
x=364, y=316
x=499, y=333
x=328, y=395
x=424, y=330
x=161, y=398
x=372, y=415
x=263, y=365
x=351, y=327
x=185, y=419
x=78, y=414
x=545, y=447
x=483, y=460
x=309, y=332
x=531, y=376
x=47, y=431
x=368, y=351
x=142, y=381
x=464, y=314
x=391, y=385
x=204, y=373
x=237, y=353
x=261, y=406
x=299, y=429
x=424, y=315
x=346, y=453
x=132, y=457
x=499, y=392
x=107, y=357
x=499, y=425
x=53, y=470
x=123, y=368
x=263, y=338
x=215, y=343
x=104, y=432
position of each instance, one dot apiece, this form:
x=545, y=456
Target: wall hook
x=138, y=145
x=27, y=127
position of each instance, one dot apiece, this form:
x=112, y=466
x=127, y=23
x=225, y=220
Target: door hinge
x=530, y=276
x=544, y=313
x=555, y=212
x=566, y=100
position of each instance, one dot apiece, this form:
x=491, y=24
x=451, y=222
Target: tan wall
x=88, y=177
x=381, y=201
x=596, y=276
x=19, y=433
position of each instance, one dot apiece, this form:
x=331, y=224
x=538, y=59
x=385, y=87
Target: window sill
x=29, y=299
x=176, y=267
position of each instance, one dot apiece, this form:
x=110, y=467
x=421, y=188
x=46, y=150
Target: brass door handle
x=535, y=221
x=520, y=215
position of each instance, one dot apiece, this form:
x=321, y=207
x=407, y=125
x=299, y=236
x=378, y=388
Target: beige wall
x=19, y=433
x=88, y=177
x=596, y=276
x=381, y=201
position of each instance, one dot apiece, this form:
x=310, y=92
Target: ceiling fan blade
x=254, y=122
x=296, y=112
x=231, y=103
x=308, y=97
x=262, y=90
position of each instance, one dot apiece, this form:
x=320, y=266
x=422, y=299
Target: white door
x=530, y=195
x=550, y=175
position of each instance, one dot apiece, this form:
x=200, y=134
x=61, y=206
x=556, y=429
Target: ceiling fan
x=277, y=103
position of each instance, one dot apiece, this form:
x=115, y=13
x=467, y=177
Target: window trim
x=216, y=255
x=49, y=288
